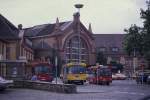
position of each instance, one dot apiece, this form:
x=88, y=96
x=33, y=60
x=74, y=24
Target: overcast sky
x=106, y=16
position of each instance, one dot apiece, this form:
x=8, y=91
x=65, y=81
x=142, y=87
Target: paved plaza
x=118, y=90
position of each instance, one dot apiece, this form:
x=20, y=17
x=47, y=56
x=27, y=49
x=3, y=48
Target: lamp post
x=56, y=64
x=134, y=61
x=79, y=6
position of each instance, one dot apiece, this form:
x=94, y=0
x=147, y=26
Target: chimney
x=21, y=31
x=20, y=26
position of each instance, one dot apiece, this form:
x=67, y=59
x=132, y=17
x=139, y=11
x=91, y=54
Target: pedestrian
x=34, y=78
x=129, y=77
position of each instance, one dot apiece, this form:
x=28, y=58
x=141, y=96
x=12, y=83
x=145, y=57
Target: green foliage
x=133, y=40
x=100, y=58
x=145, y=15
x=139, y=38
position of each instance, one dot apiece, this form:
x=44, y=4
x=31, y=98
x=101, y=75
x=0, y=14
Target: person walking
x=34, y=78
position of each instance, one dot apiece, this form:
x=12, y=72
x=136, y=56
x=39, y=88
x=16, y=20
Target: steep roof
x=109, y=40
x=7, y=29
x=42, y=45
x=45, y=29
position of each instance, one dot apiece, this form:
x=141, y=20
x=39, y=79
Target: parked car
x=5, y=83
x=119, y=76
x=114, y=77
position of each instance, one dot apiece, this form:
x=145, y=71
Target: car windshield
x=76, y=70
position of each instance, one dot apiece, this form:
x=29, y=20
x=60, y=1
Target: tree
x=145, y=15
x=100, y=58
x=133, y=41
x=138, y=39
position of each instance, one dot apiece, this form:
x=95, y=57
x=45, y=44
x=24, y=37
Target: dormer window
x=115, y=49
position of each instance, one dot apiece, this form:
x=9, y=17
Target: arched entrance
x=76, y=50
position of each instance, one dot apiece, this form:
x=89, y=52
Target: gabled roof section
x=109, y=40
x=87, y=31
x=7, y=29
x=42, y=45
x=65, y=25
x=45, y=29
x=34, y=31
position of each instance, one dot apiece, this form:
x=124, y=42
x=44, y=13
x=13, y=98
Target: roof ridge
x=111, y=34
x=46, y=24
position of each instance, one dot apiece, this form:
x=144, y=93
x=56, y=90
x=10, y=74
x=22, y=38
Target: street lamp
x=79, y=6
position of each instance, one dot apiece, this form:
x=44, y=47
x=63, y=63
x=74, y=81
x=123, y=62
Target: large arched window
x=76, y=50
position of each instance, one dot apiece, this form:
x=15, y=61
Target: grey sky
x=106, y=16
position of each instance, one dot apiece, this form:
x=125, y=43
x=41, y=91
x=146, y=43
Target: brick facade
x=54, y=38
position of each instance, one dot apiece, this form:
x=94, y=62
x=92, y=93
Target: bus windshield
x=42, y=70
x=104, y=72
x=76, y=70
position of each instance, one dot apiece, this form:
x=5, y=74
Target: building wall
x=3, y=50
x=12, y=51
x=59, y=42
x=26, y=52
x=3, y=53
x=111, y=45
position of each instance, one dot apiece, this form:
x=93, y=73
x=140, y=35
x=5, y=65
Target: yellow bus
x=74, y=73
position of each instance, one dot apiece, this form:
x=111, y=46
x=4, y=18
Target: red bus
x=43, y=71
x=100, y=75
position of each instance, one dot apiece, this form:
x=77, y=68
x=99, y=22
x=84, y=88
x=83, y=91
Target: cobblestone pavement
x=118, y=90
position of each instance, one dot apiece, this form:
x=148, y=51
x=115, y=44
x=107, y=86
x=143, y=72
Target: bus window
x=104, y=72
x=76, y=70
x=41, y=70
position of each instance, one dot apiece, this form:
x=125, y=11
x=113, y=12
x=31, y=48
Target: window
x=102, y=49
x=7, y=52
x=75, y=49
x=115, y=49
x=2, y=48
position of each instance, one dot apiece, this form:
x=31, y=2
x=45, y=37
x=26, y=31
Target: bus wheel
x=107, y=83
x=69, y=82
x=82, y=83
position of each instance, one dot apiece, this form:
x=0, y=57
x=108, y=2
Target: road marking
x=133, y=93
x=121, y=92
